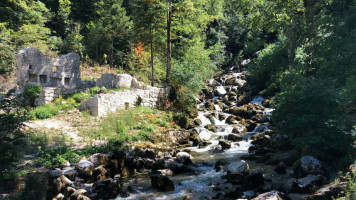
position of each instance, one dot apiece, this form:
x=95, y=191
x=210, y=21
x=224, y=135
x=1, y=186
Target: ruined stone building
x=35, y=68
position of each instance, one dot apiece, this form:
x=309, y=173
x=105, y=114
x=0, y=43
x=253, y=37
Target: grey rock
x=272, y=195
x=308, y=165
x=85, y=168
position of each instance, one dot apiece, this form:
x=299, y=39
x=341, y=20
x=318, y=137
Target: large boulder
x=225, y=144
x=272, y=195
x=99, y=159
x=308, y=184
x=106, y=189
x=85, y=168
x=329, y=192
x=238, y=167
x=245, y=98
x=184, y=157
x=308, y=165
x=209, y=105
x=178, y=137
x=234, y=137
x=254, y=180
x=70, y=173
x=161, y=182
x=211, y=128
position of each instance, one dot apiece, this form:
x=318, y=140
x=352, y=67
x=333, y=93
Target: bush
x=56, y=157
x=32, y=92
x=181, y=119
x=267, y=69
x=189, y=75
x=80, y=97
x=145, y=135
x=12, y=139
x=94, y=90
x=45, y=111
x=35, y=187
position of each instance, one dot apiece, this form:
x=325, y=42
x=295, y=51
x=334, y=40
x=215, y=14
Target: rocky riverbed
x=229, y=152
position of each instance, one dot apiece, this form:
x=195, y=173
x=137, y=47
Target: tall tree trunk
x=309, y=10
x=169, y=40
x=291, y=51
x=112, y=52
x=152, y=83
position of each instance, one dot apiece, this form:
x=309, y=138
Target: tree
x=148, y=26
x=169, y=39
x=108, y=34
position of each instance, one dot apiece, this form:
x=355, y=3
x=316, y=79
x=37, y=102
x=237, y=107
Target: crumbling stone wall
x=35, y=68
x=101, y=104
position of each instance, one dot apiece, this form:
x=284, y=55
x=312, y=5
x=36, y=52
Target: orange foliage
x=139, y=51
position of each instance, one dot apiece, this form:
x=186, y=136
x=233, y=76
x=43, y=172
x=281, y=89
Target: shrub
x=45, y=111
x=181, y=119
x=35, y=187
x=94, y=90
x=80, y=97
x=56, y=157
x=32, y=92
x=267, y=69
x=189, y=74
x=145, y=135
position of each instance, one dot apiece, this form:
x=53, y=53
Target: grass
x=140, y=124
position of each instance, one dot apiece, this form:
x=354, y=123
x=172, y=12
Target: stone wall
x=101, y=104
x=36, y=68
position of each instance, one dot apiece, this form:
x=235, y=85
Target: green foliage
x=32, y=91
x=312, y=75
x=56, y=157
x=144, y=135
x=73, y=42
x=35, y=187
x=94, y=90
x=181, y=119
x=190, y=73
x=351, y=189
x=82, y=96
x=268, y=68
x=45, y=111
x=7, y=57
x=12, y=139
x=108, y=33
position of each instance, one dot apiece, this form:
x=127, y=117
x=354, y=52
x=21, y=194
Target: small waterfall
x=203, y=119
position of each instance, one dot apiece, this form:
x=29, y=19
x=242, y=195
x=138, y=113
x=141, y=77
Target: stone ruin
x=61, y=76
x=35, y=68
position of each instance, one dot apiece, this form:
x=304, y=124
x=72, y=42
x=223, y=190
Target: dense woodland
x=303, y=53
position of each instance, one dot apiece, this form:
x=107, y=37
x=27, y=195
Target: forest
x=301, y=57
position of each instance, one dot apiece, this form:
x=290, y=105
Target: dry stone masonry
x=101, y=104
x=35, y=68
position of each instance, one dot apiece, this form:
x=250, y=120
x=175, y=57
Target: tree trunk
x=291, y=51
x=112, y=52
x=169, y=40
x=152, y=80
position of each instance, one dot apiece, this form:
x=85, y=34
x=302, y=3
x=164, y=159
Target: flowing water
x=203, y=181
